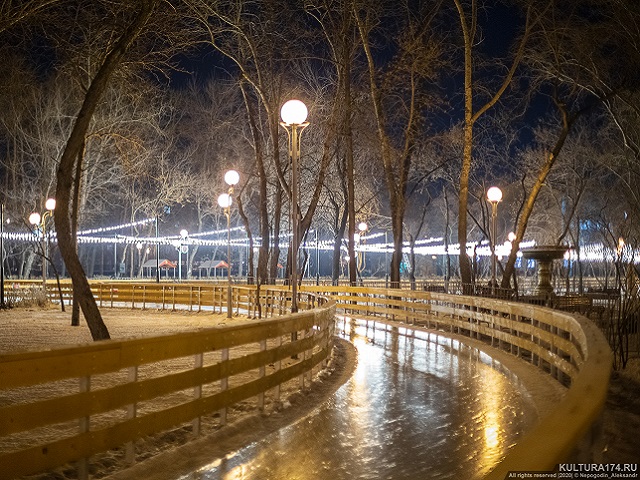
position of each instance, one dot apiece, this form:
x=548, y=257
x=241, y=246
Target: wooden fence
x=565, y=346
x=568, y=347
x=65, y=405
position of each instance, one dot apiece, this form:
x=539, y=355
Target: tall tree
x=67, y=168
x=468, y=15
x=399, y=97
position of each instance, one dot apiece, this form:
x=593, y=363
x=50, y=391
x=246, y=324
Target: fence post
x=132, y=410
x=261, y=373
x=278, y=365
x=83, y=463
x=197, y=393
x=224, y=384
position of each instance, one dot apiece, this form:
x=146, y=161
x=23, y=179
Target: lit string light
x=430, y=246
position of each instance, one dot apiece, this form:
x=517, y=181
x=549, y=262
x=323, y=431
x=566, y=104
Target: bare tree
x=468, y=15
x=398, y=99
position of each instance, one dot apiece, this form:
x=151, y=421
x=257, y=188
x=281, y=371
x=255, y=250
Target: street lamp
x=2, y=304
x=361, y=257
x=40, y=221
x=139, y=248
x=294, y=115
x=225, y=200
x=494, y=195
x=181, y=249
x=386, y=260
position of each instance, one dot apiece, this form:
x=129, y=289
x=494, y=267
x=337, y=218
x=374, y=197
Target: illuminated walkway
x=421, y=406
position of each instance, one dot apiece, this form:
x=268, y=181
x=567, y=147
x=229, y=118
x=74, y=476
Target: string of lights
x=433, y=246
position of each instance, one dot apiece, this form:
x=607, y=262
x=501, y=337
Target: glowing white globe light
x=362, y=226
x=224, y=200
x=494, y=194
x=232, y=177
x=293, y=112
x=50, y=204
x=34, y=218
x=184, y=233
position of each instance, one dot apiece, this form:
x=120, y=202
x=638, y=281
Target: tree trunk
x=250, y=259
x=337, y=243
x=527, y=209
x=263, y=254
x=65, y=174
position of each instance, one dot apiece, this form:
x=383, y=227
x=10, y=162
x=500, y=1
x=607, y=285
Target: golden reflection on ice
x=359, y=398
x=492, y=419
x=360, y=374
x=491, y=435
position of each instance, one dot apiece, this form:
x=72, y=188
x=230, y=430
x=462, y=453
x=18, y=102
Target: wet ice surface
x=416, y=407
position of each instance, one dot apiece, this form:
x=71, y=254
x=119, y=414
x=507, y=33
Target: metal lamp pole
x=386, y=261
x=2, y=304
x=494, y=195
x=157, y=254
x=231, y=178
x=362, y=259
x=317, y=259
x=41, y=222
x=178, y=244
x=294, y=115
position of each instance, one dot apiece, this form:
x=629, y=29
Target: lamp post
x=317, y=259
x=294, y=115
x=386, y=261
x=179, y=245
x=2, y=304
x=494, y=195
x=225, y=200
x=362, y=259
x=40, y=221
x=157, y=253
x=139, y=247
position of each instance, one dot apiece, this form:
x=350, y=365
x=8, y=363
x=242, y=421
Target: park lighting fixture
x=40, y=221
x=293, y=112
x=34, y=219
x=360, y=238
x=494, y=195
x=224, y=200
x=294, y=115
x=231, y=178
x=182, y=249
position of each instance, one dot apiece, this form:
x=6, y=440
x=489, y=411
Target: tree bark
x=65, y=174
x=531, y=199
x=468, y=24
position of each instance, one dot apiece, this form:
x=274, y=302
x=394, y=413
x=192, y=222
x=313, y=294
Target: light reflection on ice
x=419, y=405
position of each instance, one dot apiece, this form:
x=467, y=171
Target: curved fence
x=64, y=405
x=568, y=347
